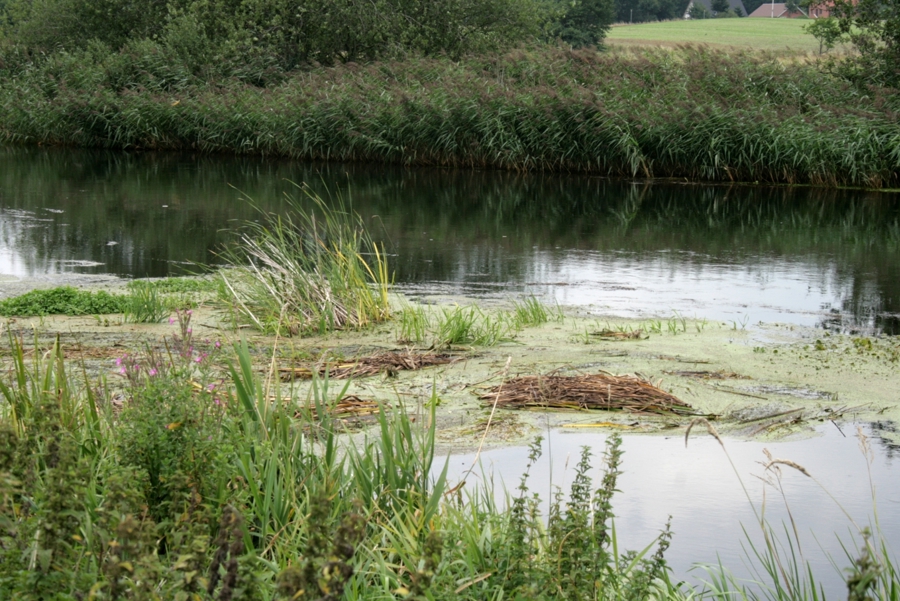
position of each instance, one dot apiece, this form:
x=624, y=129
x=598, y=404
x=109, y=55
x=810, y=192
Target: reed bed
x=307, y=270
x=588, y=392
x=373, y=365
x=689, y=113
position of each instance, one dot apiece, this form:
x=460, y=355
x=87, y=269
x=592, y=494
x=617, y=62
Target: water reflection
x=824, y=257
x=698, y=487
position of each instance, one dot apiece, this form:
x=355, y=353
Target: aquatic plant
x=531, y=312
x=305, y=271
x=64, y=300
x=692, y=113
x=783, y=572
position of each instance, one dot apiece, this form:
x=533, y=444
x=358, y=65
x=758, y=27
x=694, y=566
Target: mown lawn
x=761, y=34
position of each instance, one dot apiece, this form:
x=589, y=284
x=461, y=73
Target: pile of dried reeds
x=348, y=406
x=387, y=362
x=619, y=334
x=597, y=391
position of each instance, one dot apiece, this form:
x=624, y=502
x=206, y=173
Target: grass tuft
x=307, y=271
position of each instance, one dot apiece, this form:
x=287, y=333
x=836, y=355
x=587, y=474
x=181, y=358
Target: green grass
x=64, y=300
x=177, y=285
x=775, y=35
x=469, y=325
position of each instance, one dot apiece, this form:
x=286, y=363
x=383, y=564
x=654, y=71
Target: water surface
x=710, y=511
x=732, y=253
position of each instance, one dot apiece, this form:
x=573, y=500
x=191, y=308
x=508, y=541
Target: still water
x=714, y=495
x=746, y=254
x=826, y=258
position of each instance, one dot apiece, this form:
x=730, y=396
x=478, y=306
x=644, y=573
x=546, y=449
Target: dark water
x=741, y=253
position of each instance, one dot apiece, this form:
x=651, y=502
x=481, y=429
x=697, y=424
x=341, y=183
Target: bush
x=873, y=27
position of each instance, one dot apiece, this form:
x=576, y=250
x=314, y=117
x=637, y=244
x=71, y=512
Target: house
x=776, y=10
x=773, y=11
x=735, y=5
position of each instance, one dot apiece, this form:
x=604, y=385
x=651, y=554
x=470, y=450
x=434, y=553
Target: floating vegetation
x=620, y=334
x=707, y=375
x=373, y=365
x=348, y=406
x=597, y=391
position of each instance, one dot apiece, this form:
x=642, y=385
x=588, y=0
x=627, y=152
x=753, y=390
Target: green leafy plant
x=64, y=300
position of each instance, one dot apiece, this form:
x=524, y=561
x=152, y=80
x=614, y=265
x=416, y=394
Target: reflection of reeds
x=597, y=391
x=308, y=271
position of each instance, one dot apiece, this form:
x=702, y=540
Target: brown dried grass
x=373, y=365
x=597, y=391
x=348, y=406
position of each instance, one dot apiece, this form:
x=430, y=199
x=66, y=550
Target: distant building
x=735, y=5
x=775, y=10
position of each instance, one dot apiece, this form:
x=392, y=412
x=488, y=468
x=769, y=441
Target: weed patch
x=64, y=300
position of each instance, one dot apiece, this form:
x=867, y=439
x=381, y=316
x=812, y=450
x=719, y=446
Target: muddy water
x=702, y=492
x=631, y=249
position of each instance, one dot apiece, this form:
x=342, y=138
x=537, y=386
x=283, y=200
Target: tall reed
x=307, y=270
x=689, y=113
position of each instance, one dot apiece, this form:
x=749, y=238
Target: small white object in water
x=165, y=206
x=111, y=243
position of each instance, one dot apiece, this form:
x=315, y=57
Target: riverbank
x=690, y=113
x=201, y=433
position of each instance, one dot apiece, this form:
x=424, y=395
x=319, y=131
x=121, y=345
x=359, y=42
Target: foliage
x=584, y=23
x=64, y=300
x=699, y=11
x=693, y=113
x=255, y=36
x=254, y=498
x=873, y=27
x=827, y=30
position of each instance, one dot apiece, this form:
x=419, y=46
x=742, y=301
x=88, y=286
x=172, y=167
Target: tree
x=699, y=11
x=585, y=22
x=827, y=31
x=873, y=27
x=719, y=6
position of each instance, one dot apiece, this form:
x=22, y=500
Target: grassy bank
x=691, y=113
x=781, y=36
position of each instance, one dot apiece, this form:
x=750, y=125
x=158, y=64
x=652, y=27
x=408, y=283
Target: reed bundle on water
x=387, y=362
x=348, y=406
x=595, y=391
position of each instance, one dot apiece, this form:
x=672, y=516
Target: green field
x=761, y=34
